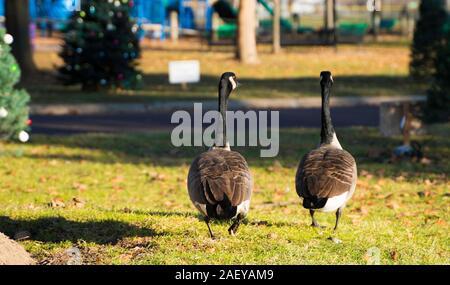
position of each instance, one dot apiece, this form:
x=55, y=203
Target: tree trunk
x=17, y=22
x=276, y=44
x=330, y=20
x=376, y=18
x=246, y=50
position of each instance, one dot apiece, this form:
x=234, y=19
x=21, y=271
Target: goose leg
x=234, y=227
x=314, y=224
x=338, y=217
x=209, y=228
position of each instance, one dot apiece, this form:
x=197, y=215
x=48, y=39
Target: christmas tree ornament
x=24, y=136
x=3, y=113
x=8, y=39
x=13, y=101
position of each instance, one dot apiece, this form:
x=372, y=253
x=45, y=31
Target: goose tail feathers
x=314, y=202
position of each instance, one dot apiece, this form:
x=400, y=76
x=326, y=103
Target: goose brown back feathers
x=219, y=177
x=325, y=172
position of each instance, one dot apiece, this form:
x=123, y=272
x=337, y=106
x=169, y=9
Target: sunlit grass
x=132, y=205
x=359, y=70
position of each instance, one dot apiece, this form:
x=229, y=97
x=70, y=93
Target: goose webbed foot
x=335, y=240
x=235, y=226
x=314, y=223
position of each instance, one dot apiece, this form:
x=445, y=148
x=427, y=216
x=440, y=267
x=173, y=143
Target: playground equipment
x=151, y=15
x=349, y=20
x=228, y=14
x=291, y=34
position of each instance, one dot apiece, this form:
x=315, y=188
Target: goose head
x=326, y=79
x=228, y=82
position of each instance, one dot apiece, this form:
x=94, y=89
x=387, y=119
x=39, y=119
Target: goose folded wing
x=326, y=172
x=223, y=173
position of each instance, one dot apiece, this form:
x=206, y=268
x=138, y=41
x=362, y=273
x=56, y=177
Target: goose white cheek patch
x=233, y=83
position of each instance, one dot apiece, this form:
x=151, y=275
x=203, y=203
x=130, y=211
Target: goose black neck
x=327, y=132
x=224, y=92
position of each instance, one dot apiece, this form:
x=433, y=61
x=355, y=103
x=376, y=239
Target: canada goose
x=326, y=176
x=219, y=181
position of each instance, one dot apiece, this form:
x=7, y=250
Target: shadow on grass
x=154, y=213
x=155, y=87
x=58, y=229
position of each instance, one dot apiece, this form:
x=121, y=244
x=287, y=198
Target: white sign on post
x=184, y=71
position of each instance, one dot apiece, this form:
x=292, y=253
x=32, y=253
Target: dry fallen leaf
x=286, y=211
x=389, y=197
x=393, y=205
x=157, y=176
x=79, y=203
x=377, y=187
x=363, y=210
x=79, y=186
x=425, y=161
x=366, y=174
x=57, y=203
x=394, y=255
x=272, y=236
x=118, y=179
x=400, y=178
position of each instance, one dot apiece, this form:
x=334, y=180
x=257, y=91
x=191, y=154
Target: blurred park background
x=88, y=89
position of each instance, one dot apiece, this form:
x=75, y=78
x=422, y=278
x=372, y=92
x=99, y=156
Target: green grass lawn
x=359, y=70
x=123, y=200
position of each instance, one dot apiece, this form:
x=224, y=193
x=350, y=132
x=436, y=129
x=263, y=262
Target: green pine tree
x=427, y=36
x=438, y=98
x=101, y=46
x=13, y=102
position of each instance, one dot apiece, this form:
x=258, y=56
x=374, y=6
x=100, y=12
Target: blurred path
x=151, y=121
